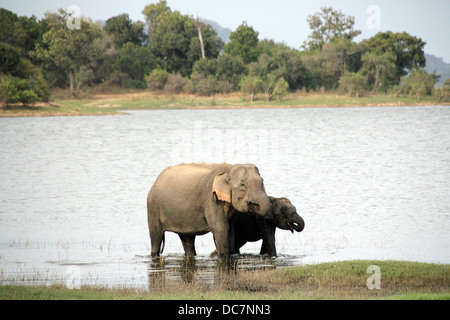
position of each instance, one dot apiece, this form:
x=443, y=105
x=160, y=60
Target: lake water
x=370, y=183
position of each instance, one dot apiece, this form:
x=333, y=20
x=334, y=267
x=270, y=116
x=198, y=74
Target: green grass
x=104, y=104
x=335, y=280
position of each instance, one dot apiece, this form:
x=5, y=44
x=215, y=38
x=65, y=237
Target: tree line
x=174, y=53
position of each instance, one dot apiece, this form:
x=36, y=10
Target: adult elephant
x=193, y=199
x=249, y=227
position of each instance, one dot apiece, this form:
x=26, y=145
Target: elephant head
x=285, y=215
x=243, y=188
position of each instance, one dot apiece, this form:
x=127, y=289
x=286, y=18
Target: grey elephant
x=249, y=227
x=193, y=199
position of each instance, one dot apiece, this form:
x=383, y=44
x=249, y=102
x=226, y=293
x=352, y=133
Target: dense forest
x=173, y=53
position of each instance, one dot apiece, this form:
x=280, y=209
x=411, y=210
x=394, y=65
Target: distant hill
x=438, y=66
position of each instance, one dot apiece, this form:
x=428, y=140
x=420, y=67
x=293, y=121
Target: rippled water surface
x=370, y=183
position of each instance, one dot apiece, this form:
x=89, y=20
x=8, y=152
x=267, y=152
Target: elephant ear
x=221, y=188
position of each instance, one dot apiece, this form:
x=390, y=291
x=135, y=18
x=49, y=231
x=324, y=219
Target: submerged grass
x=334, y=280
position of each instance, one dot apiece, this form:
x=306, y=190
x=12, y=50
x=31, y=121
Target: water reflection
x=205, y=272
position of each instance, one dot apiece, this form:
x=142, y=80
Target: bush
x=204, y=85
x=134, y=84
x=8, y=91
x=443, y=93
x=250, y=85
x=13, y=90
x=353, y=83
x=281, y=89
x=418, y=83
x=28, y=96
x=118, y=78
x=175, y=83
x=157, y=79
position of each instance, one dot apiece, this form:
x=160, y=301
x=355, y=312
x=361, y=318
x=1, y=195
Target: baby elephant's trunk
x=297, y=224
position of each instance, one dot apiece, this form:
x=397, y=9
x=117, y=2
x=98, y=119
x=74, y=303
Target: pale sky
x=280, y=20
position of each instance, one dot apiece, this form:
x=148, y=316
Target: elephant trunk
x=297, y=224
x=260, y=204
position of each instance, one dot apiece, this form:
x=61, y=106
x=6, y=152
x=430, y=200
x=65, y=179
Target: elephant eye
x=243, y=185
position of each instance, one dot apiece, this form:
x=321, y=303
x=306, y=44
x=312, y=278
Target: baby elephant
x=249, y=227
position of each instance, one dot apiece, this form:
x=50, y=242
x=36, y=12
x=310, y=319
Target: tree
x=285, y=63
x=9, y=58
x=212, y=44
x=72, y=52
x=24, y=80
x=137, y=61
x=21, y=33
x=268, y=84
x=174, y=39
x=230, y=69
x=328, y=64
x=353, y=82
x=250, y=85
x=406, y=49
x=328, y=25
x=281, y=89
x=153, y=12
x=217, y=75
x=123, y=30
x=243, y=43
x=379, y=69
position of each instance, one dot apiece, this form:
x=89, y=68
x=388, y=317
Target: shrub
x=250, y=85
x=28, y=96
x=13, y=90
x=8, y=91
x=353, y=83
x=418, y=83
x=134, y=84
x=443, y=93
x=281, y=89
x=204, y=85
x=157, y=79
x=118, y=78
x=175, y=83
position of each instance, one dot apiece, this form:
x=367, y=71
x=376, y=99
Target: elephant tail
x=163, y=242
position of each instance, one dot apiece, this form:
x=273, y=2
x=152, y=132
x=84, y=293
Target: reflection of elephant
x=245, y=227
x=193, y=199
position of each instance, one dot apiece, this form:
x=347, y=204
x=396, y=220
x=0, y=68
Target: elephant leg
x=221, y=233
x=156, y=238
x=263, y=248
x=232, y=248
x=219, y=227
x=268, y=245
x=221, y=237
x=269, y=248
x=188, y=245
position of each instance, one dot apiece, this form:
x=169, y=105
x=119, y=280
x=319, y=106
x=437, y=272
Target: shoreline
x=306, y=106
x=118, y=104
x=401, y=280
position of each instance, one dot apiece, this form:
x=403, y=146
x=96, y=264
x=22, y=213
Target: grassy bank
x=336, y=280
x=105, y=104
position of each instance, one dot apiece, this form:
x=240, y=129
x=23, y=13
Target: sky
x=280, y=20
